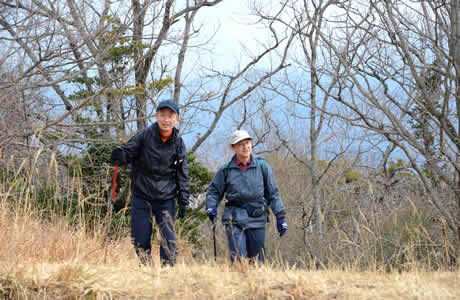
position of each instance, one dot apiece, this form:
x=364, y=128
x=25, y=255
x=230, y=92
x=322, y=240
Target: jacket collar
x=251, y=163
x=155, y=130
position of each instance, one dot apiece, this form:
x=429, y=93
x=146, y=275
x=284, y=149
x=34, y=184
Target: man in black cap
x=159, y=175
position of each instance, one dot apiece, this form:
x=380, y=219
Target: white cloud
x=232, y=20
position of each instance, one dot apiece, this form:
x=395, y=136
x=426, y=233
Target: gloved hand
x=117, y=156
x=282, y=225
x=212, y=213
x=182, y=210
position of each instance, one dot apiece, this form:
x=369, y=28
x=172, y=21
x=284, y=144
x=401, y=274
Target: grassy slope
x=56, y=261
x=219, y=281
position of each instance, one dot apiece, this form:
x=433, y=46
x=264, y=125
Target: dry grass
x=56, y=261
x=44, y=257
x=207, y=281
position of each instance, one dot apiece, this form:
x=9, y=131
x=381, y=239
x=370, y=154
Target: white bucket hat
x=239, y=135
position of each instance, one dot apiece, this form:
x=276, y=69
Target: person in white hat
x=249, y=186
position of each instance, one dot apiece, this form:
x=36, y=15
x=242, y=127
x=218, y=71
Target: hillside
x=77, y=280
x=54, y=261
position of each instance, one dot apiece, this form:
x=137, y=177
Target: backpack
x=261, y=163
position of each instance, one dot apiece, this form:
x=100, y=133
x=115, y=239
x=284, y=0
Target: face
x=166, y=119
x=242, y=149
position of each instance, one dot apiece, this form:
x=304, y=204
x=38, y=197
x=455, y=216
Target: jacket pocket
x=235, y=215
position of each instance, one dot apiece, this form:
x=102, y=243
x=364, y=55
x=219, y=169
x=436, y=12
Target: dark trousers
x=245, y=243
x=142, y=212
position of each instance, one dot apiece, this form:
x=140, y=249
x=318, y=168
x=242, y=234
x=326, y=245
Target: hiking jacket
x=159, y=169
x=245, y=191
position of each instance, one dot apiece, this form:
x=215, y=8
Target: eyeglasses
x=243, y=144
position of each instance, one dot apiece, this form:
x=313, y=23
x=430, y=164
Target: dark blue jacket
x=159, y=169
x=243, y=190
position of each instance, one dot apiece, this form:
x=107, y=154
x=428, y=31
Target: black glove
x=117, y=156
x=182, y=210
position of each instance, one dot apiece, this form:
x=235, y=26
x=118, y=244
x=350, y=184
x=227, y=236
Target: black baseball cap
x=169, y=104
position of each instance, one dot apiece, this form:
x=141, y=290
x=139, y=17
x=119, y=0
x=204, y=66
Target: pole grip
x=114, y=182
x=214, y=239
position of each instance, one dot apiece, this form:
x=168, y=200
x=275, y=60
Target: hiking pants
x=142, y=212
x=245, y=243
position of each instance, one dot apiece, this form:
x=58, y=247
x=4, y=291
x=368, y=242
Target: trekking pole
x=214, y=239
x=110, y=213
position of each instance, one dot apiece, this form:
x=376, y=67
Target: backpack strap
x=225, y=170
x=261, y=164
x=177, y=159
x=263, y=167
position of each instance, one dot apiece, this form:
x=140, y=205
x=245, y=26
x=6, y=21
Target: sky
x=231, y=18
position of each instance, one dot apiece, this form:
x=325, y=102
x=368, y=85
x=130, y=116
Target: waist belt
x=253, y=211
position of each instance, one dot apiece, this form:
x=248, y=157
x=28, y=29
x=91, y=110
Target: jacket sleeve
x=132, y=147
x=272, y=194
x=216, y=189
x=183, y=178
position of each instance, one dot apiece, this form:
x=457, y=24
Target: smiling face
x=166, y=119
x=243, y=150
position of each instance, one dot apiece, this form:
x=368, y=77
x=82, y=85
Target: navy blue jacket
x=159, y=169
x=243, y=190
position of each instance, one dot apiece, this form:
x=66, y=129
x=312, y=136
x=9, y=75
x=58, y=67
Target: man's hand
x=282, y=225
x=182, y=210
x=117, y=156
x=212, y=213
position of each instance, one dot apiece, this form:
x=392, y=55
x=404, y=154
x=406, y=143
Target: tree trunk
x=455, y=50
x=457, y=190
x=315, y=181
x=457, y=196
x=140, y=76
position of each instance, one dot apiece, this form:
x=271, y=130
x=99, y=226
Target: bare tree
x=399, y=78
x=63, y=51
x=143, y=61
x=102, y=66
x=301, y=89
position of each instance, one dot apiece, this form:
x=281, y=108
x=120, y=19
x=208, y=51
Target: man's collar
x=238, y=162
x=156, y=130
